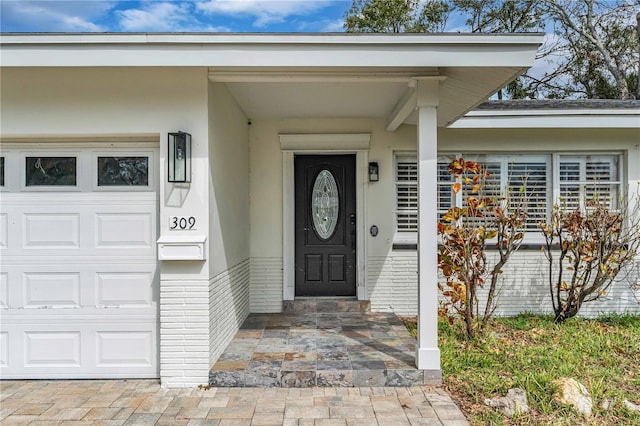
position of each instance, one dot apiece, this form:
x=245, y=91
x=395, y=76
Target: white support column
x=428, y=354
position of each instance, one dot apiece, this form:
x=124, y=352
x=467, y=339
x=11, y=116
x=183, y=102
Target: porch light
x=179, y=157
x=373, y=172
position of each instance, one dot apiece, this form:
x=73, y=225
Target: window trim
x=80, y=172
x=405, y=239
x=620, y=182
x=125, y=152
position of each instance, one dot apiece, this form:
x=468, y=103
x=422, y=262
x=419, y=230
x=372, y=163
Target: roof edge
x=271, y=38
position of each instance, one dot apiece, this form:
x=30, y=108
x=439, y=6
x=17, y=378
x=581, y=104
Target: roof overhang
x=352, y=75
x=551, y=119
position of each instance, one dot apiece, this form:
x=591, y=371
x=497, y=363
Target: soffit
x=365, y=96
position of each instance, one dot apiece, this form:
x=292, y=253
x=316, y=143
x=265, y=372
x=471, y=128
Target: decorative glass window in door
x=51, y=171
x=123, y=171
x=325, y=204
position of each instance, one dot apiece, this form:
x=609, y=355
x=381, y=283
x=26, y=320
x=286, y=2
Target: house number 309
x=182, y=222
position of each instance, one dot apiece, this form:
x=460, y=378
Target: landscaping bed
x=530, y=352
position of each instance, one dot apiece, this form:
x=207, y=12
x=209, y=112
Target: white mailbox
x=182, y=247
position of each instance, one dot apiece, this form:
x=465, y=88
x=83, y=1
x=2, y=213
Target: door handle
x=352, y=221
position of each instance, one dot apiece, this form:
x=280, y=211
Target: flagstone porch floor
x=318, y=342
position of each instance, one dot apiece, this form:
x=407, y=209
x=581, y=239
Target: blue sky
x=172, y=15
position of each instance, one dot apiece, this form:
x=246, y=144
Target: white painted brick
x=188, y=323
x=228, y=299
x=392, y=283
x=266, y=284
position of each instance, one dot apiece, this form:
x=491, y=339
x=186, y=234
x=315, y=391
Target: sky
x=185, y=16
x=172, y=15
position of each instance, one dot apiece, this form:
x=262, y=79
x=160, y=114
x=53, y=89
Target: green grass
x=530, y=352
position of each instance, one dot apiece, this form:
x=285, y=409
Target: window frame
x=125, y=152
x=552, y=188
x=581, y=183
x=404, y=237
x=51, y=153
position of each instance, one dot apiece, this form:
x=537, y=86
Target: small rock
x=608, y=404
x=631, y=406
x=575, y=394
x=514, y=403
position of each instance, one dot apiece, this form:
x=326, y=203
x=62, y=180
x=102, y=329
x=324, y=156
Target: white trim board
x=564, y=119
x=350, y=143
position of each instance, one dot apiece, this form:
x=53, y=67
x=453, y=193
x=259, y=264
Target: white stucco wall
x=392, y=274
x=228, y=218
x=42, y=103
x=124, y=101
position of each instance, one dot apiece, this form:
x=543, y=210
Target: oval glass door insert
x=325, y=205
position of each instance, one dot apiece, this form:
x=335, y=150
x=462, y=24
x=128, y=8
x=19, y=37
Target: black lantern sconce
x=373, y=172
x=179, y=157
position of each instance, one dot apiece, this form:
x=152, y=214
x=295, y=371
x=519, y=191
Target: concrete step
x=316, y=304
x=322, y=378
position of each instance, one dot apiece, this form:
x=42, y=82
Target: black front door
x=325, y=225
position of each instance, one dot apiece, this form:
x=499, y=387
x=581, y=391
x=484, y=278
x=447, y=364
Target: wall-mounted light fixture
x=179, y=157
x=373, y=172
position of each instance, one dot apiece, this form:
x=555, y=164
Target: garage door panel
x=117, y=230
x=51, y=289
x=4, y=290
x=124, y=289
x=52, y=349
x=4, y=350
x=51, y=230
x=124, y=349
x=90, y=284
x=100, y=350
x=4, y=230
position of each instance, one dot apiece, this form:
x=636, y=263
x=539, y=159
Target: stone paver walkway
x=319, y=342
x=144, y=402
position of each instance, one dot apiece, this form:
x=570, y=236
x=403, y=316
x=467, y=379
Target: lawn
x=530, y=352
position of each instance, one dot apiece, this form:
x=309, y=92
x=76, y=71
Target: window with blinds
x=406, y=194
x=528, y=184
x=528, y=178
x=585, y=178
x=446, y=197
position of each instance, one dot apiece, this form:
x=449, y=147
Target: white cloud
x=53, y=15
x=153, y=17
x=264, y=12
x=163, y=17
x=547, y=63
x=322, y=25
x=335, y=26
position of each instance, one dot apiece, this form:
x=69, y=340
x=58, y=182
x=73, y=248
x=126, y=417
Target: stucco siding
x=228, y=303
x=266, y=284
x=228, y=181
x=99, y=102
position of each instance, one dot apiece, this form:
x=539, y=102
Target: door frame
x=319, y=144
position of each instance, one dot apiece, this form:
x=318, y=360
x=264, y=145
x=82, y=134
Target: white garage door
x=79, y=276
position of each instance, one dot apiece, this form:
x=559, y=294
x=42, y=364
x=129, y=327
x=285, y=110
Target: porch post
x=428, y=354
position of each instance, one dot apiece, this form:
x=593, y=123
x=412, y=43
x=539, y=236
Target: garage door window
x=51, y=171
x=123, y=171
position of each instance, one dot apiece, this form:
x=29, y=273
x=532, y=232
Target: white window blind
x=528, y=185
x=406, y=194
x=446, y=197
x=583, y=178
x=528, y=178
